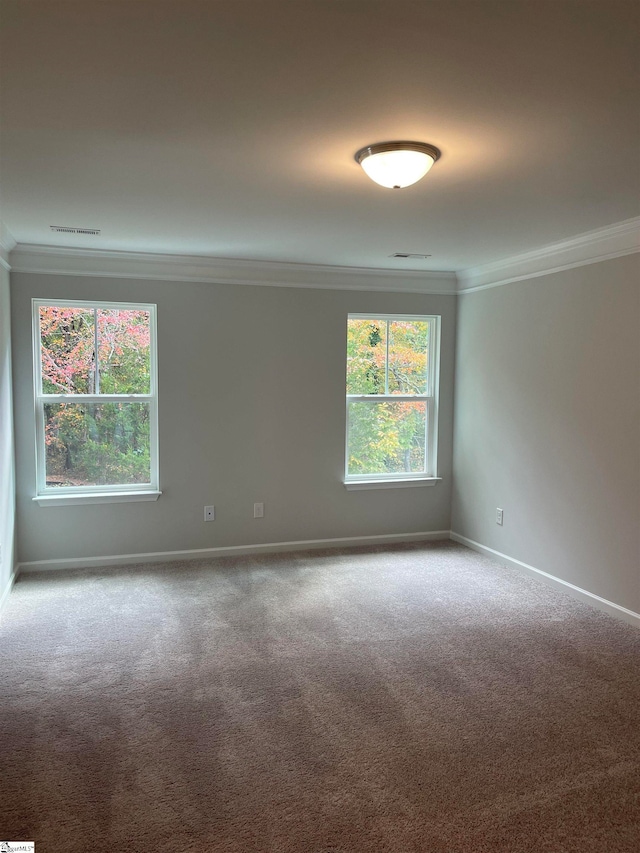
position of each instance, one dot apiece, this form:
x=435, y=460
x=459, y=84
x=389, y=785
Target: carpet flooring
x=414, y=699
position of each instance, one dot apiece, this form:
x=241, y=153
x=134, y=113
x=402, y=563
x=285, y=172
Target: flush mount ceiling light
x=397, y=164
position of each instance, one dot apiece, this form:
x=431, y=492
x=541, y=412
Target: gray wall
x=547, y=411
x=7, y=487
x=252, y=383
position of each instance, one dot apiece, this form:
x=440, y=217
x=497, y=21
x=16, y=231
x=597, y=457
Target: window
x=392, y=397
x=95, y=400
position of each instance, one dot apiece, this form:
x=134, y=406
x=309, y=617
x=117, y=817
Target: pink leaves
x=68, y=342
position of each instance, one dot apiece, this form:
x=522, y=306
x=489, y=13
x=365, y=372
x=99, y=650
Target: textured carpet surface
x=419, y=698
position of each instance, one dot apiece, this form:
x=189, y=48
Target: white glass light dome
x=397, y=164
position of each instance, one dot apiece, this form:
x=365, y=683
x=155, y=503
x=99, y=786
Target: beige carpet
x=400, y=700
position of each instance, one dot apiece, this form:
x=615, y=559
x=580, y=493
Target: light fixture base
x=383, y=147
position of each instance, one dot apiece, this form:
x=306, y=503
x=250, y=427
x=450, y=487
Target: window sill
x=352, y=485
x=95, y=498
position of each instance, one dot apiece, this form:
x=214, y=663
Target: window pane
x=366, y=355
x=92, y=444
x=66, y=350
x=386, y=438
x=408, y=357
x=124, y=351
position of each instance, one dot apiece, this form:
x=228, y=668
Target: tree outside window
x=391, y=396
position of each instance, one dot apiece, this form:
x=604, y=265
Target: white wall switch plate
x=258, y=510
x=209, y=513
x=499, y=514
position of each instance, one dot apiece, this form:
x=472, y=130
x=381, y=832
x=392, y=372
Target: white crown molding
x=56, y=260
x=7, y=244
x=614, y=241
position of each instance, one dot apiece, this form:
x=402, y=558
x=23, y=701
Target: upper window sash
x=429, y=376
x=92, y=306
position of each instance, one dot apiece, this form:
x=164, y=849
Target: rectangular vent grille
x=408, y=255
x=68, y=229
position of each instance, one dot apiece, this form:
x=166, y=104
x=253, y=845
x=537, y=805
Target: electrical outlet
x=209, y=513
x=499, y=514
x=258, y=510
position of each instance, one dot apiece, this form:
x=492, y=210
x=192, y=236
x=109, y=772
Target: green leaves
x=386, y=438
x=95, y=351
x=386, y=358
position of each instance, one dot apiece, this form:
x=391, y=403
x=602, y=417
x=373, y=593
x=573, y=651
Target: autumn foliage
x=94, y=359
x=386, y=359
x=94, y=353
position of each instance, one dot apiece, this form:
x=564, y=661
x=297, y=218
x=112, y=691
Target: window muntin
x=392, y=384
x=95, y=397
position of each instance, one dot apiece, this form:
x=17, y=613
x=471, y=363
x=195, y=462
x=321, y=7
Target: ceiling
x=228, y=129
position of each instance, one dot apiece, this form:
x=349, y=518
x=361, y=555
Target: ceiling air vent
x=409, y=255
x=68, y=229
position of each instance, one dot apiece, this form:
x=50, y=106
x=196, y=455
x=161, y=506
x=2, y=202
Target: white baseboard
x=7, y=590
x=577, y=592
x=229, y=550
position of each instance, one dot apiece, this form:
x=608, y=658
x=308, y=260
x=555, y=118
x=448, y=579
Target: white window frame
x=69, y=495
x=430, y=475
